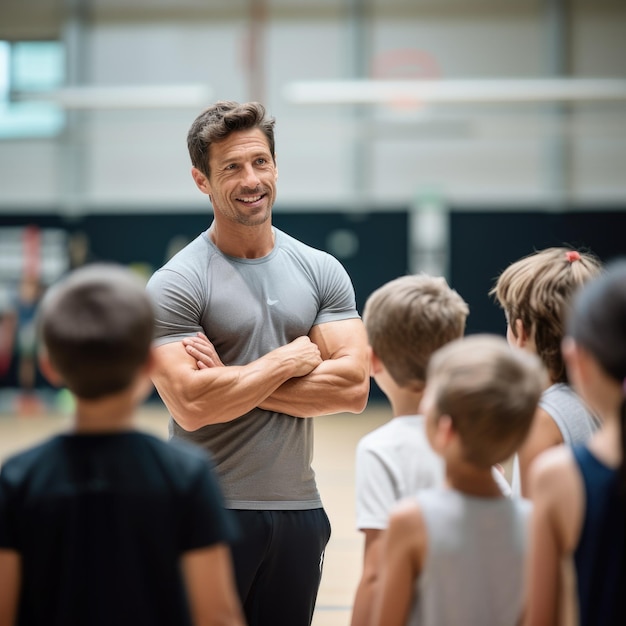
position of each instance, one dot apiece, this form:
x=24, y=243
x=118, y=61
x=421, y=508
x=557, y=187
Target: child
x=579, y=492
x=535, y=293
x=406, y=320
x=455, y=555
x=104, y=524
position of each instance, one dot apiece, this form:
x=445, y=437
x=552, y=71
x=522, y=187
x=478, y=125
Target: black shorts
x=278, y=561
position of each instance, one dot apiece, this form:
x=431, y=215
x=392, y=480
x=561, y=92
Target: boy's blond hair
x=407, y=319
x=490, y=391
x=538, y=290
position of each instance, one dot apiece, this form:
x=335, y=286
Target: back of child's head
x=97, y=326
x=490, y=391
x=538, y=290
x=598, y=324
x=407, y=319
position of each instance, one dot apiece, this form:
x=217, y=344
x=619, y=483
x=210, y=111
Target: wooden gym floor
x=336, y=437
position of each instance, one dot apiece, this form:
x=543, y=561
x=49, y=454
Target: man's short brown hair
x=221, y=119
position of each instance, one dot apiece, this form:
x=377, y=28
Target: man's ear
x=202, y=182
x=47, y=369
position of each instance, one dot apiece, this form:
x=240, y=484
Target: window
x=30, y=66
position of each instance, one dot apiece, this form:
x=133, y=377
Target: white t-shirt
x=392, y=462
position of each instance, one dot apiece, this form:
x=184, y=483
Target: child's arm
x=211, y=589
x=364, y=598
x=557, y=494
x=10, y=587
x=403, y=552
x=544, y=434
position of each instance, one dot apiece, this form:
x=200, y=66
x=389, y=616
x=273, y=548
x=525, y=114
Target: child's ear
x=47, y=369
x=444, y=432
x=376, y=365
x=521, y=337
x=150, y=363
x=143, y=383
x=580, y=364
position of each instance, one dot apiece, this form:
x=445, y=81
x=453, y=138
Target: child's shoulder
x=406, y=513
x=32, y=463
x=552, y=470
x=33, y=455
x=400, y=428
x=178, y=454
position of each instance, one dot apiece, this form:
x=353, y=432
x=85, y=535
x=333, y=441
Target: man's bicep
x=172, y=361
x=171, y=373
x=341, y=338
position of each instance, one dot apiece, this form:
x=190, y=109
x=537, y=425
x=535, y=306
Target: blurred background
x=445, y=136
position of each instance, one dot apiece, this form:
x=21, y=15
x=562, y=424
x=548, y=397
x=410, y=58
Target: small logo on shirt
x=272, y=302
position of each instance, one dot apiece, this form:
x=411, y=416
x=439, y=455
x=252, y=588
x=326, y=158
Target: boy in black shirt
x=105, y=524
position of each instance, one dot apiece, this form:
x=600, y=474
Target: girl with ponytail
x=579, y=493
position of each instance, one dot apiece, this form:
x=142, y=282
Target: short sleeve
x=338, y=300
x=205, y=520
x=375, y=489
x=177, y=306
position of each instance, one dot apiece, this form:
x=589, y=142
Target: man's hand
x=303, y=354
x=203, y=351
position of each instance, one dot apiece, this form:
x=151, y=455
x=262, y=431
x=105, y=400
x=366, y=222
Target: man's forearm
x=219, y=395
x=335, y=386
x=199, y=397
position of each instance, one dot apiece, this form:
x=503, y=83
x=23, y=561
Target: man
x=257, y=332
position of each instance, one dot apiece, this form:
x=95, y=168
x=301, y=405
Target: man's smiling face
x=242, y=181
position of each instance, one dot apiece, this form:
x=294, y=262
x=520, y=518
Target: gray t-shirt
x=248, y=307
x=473, y=568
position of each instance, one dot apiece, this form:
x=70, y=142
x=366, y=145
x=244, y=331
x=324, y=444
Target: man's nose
x=250, y=177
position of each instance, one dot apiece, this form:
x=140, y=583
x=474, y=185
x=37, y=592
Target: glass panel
x=4, y=71
x=37, y=65
x=31, y=119
x=30, y=66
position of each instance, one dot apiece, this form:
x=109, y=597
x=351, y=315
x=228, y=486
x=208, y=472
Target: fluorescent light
x=124, y=97
x=454, y=91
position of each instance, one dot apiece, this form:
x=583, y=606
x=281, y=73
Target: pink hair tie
x=572, y=255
